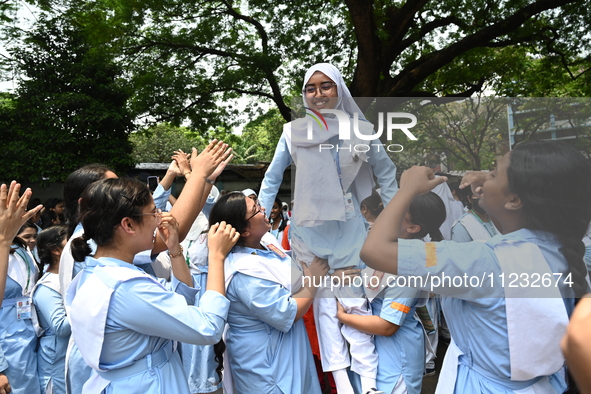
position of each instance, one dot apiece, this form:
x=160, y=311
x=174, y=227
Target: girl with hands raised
x=18, y=273
x=539, y=193
x=268, y=295
x=220, y=240
x=125, y=322
x=13, y=214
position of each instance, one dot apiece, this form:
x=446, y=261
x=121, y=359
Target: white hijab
x=345, y=100
x=319, y=194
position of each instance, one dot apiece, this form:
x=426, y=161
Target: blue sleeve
x=395, y=310
x=459, y=233
x=144, y=257
x=274, y=175
x=209, y=203
x=191, y=294
x=267, y=301
x=161, y=197
x=464, y=270
x=50, y=305
x=169, y=315
x=384, y=170
x=3, y=362
x=397, y=303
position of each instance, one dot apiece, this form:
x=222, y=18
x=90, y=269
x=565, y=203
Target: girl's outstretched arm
x=373, y=325
x=380, y=250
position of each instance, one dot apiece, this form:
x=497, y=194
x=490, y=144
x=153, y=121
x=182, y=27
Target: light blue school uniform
x=18, y=338
x=78, y=371
x=459, y=233
x=3, y=362
x=268, y=352
x=339, y=242
x=477, y=315
x=402, y=354
x=142, y=324
x=198, y=360
x=51, y=360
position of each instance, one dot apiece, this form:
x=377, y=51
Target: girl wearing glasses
x=267, y=300
x=327, y=221
x=125, y=322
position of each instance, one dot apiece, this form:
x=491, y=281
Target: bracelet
x=179, y=254
x=209, y=181
x=186, y=173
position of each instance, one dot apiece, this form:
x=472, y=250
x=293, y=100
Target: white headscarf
x=345, y=100
x=319, y=194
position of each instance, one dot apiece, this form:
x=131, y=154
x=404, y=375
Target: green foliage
x=188, y=62
x=262, y=135
x=157, y=144
x=462, y=135
x=69, y=109
x=185, y=58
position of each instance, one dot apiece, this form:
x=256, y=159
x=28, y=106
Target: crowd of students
x=144, y=293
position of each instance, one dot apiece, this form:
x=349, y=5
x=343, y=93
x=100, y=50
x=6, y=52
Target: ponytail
x=553, y=181
x=218, y=350
x=80, y=248
x=428, y=212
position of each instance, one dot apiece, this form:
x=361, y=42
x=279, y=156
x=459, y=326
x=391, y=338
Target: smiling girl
x=327, y=220
x=124, y=321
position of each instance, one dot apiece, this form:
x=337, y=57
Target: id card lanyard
x=23, y=304
x=347, y=197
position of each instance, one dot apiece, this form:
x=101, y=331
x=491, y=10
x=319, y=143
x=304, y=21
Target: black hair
x=49, y=240
x=553, y=181
x=25, y=244
x=230, y=208
x=374, y=203
x=102, y=207
x=27, y=225
x=428, y=212
x=18, y=240
x=283, y=224
x=218, y=351
x=51, y=203
x=74, y=187
x=47, y=218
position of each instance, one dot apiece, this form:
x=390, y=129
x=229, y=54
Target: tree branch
x=417, y=71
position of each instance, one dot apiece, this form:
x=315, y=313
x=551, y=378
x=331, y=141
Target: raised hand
x=420, y=180
x=220, y=168
x=13, y=210
x=210, y=158
x=474, y=179
x=169, y=232
x=221, y=238
x=182, y=161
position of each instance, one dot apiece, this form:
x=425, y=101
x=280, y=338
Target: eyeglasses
x=259, y=209
x=157, y=213
x=325, y=88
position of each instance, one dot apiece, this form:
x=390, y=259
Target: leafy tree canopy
x=70, y=108
x=184, y=57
